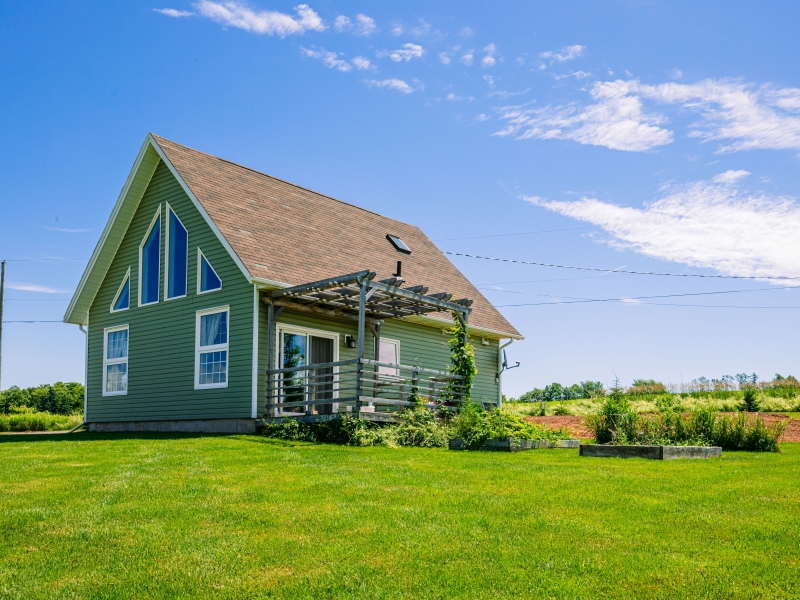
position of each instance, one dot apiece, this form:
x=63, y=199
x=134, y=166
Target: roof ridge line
x=282, y=180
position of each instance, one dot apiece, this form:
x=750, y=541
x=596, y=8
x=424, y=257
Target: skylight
x=398, y=244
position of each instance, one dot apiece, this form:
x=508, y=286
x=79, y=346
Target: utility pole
x=2, y=298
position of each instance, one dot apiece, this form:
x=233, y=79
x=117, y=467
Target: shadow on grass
x=85, y=436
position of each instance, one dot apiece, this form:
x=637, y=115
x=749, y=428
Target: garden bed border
x=651, y=452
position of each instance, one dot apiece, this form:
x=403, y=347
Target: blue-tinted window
x=208, y=277
x=178, y=257
x=151, y=259
x=124, y=298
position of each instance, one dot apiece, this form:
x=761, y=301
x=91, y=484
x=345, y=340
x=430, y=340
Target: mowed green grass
x=156, y=516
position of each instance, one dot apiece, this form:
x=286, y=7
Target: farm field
x=169, y=516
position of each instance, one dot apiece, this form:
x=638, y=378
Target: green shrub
x=27, y=419
x=416, y=427
x=341, y=430
x=475, y=426
x=561, y=410
x=704, y=427
x=749, y=401
x=419, y=427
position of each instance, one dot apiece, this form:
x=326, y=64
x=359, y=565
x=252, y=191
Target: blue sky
x=639, y=136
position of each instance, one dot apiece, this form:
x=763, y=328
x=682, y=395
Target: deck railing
x=358, y=386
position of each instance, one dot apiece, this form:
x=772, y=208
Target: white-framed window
x=389, y=353
x=211, y=348
x=301, y=346
x=122, y=301
x=115, y=361
x=176, y=267
x=150, y=262
x=207, y=278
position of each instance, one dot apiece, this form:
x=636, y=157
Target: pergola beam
x=318, y=286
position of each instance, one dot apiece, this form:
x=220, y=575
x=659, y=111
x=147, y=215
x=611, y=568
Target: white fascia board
x=69, y=316
x=201, y=209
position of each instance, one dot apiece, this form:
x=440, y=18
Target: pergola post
x=362, y=317
x=270, y=351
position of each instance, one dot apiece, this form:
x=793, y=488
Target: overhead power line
x=539, y=264
x=647, y=304
x=42, y=259
x=33, y=321
x=774, y=289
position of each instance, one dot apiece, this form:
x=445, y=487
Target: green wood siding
x=420, y=345
x=161, y=356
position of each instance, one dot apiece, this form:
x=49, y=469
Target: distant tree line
x=595, y=389
x=556, y=391
x=59, y=398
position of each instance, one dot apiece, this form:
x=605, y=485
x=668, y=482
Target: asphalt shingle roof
x=286, y=233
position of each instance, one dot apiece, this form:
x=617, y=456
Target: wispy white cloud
x=746, y=116
x=731, y=176
x=482, y=117
x=173, y=12
x=489, y=60
x=704, y=224
x=467, y=31
x=456, y=98
x=489, y=80
x=33, y=287
x=405, y=53
x=363, y=64
x=508, y=94
x=392, y=84
x=616, y=120
x=444, y=58
x=467, y=58
x=566, y=53
x=235, y=14
x=363, y=25
x=66, y=230
x=750, y=117
x=421, y=29
x=329, y=59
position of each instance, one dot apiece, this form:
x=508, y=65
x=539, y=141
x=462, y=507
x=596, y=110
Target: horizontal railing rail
x=360, y=386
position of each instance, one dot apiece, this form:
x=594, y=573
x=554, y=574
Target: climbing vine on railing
x=462, y=357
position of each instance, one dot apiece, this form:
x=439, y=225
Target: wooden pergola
x=359, y=297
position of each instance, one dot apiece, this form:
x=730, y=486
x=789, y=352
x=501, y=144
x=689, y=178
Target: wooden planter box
x=652, y=452
x=513, y=445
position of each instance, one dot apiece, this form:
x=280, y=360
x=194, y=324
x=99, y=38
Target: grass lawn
x=159, y=516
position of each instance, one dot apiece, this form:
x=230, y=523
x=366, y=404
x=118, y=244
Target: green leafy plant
x=561, y=410
x=462, y=361
x=475, y=425
x=749, y=401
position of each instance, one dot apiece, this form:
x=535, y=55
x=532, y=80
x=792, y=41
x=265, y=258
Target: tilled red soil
x=577, y=427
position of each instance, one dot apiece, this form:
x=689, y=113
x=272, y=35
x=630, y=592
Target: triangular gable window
x=208, y=279
x=122, y=301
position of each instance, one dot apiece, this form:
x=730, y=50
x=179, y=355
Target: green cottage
x=218, y=295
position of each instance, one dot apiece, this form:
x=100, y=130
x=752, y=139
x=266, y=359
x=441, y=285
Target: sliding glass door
x=300, y=347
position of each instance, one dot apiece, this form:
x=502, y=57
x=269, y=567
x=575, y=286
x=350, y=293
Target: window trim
x=200, y=273
x=307, y=331
x=141, y=249
x=171, y=213
x=125, y=280
x=198, y=350
x=396, y=344
x=115, y=361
